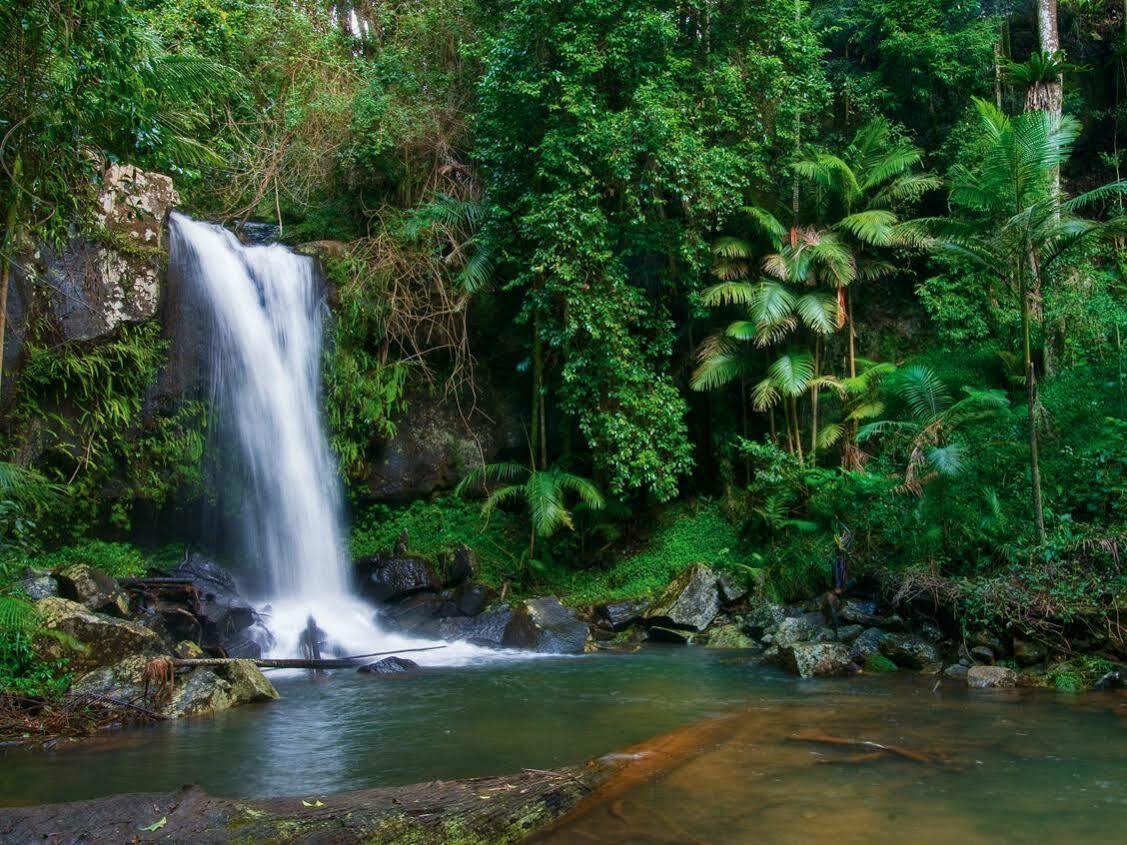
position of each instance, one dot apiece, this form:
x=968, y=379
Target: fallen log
x=295, y=662
x=874, y=748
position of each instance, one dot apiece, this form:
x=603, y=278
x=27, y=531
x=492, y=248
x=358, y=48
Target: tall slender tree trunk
x=539, y=446
x=1031, y=397
x=7, y=250
x=814, y=403
x=1051, y=94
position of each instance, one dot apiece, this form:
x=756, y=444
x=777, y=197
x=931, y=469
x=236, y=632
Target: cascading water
x=266, y=310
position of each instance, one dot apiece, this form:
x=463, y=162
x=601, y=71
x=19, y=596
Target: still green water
x=1016, y=766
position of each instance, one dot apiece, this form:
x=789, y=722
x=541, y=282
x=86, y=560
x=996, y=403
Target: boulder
x=801, y=629
x=471, y=598
x=859, y=612
x=227, y=623
x=957, y=671
x=98, y=282
x=728, y=636
x=991, y=677
x=208, y=689
x=1112, y=680
x=849, y=633
x=395, y=577
x=732, y=588
x=487, y=629
x=544, y=625
x=620, y=614
x=868, y=642
x=187, y=650
x=910, y=652
x=1028, y=653
x=248, y=683
x=389, y=666
x=40, y=585
x=811, y=660
x=690, y=603
x=201, y=692
x=123, y=681
x=762, y=617
x=94, y=589
x=88, y=639
x=412, y=612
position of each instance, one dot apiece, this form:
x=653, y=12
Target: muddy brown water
x=754, y=755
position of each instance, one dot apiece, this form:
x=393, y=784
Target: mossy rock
x=878, y=663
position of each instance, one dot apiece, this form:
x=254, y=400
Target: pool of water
x=976, y=765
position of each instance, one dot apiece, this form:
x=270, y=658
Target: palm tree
x=544, y=491
x=785, y=300
x=1011, y=223
x=931, y=428
x=860, y=191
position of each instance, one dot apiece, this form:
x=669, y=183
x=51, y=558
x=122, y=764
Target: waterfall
x=264, y=309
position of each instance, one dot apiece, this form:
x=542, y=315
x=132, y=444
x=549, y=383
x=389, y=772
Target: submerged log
x=874, y=749
x=295, y=662
x=498, y=810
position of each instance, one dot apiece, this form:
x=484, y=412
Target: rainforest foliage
x=814, y=269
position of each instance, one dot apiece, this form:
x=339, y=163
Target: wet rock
x=94, y=589
x=801, y=629
x=544, y=625
x=957, y=671
x=728, y=636
x=90, y=639
x=690, y=603
x=389, y=666
x=848, y=633
x=40, y=585
x=412, y=612
x=487, y=629
x=1111, y=681
x=868, y=642
x=396, y=577
x=810, y=660
x=910, y=652
x=762, y=617
x=621, y=614
x=201, y=692
x=247, y=682
x=123, y=681
x=731, y=588
x=859, y=612
x=187, y=650
x=471, y=598
x=1028, y=653
x=930, y=632
x=96, y=284
x=991, y=677
x=985, y=638
x=982, y=654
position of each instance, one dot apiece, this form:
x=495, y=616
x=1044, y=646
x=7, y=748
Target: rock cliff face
x=97, y=280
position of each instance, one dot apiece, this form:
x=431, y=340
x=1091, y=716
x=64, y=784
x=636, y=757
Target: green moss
x=120, y=560
x=878, y=663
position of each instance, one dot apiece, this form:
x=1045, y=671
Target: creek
x=1006, y=765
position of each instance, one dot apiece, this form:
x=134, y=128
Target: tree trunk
x=7, y=250
x=1048, y=40
x=1031, y=396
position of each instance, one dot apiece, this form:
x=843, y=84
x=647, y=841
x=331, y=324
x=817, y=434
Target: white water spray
x=266, y=307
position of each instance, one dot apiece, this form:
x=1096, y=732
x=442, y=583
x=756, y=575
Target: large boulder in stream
x=228, y=623
x=393, y=577
x=546, y=626
x=92, y=588
x=814, y=660
x=911, y=652
x=87, y=639
x=620, y=614
x=390, y=666
x=209, y=689
x=690, y=603
x=991, y=677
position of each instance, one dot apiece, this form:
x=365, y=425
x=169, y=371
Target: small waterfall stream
x=265, y=308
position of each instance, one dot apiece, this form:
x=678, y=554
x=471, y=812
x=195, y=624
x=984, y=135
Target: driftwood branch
x=296, y=662
x=874, y=749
